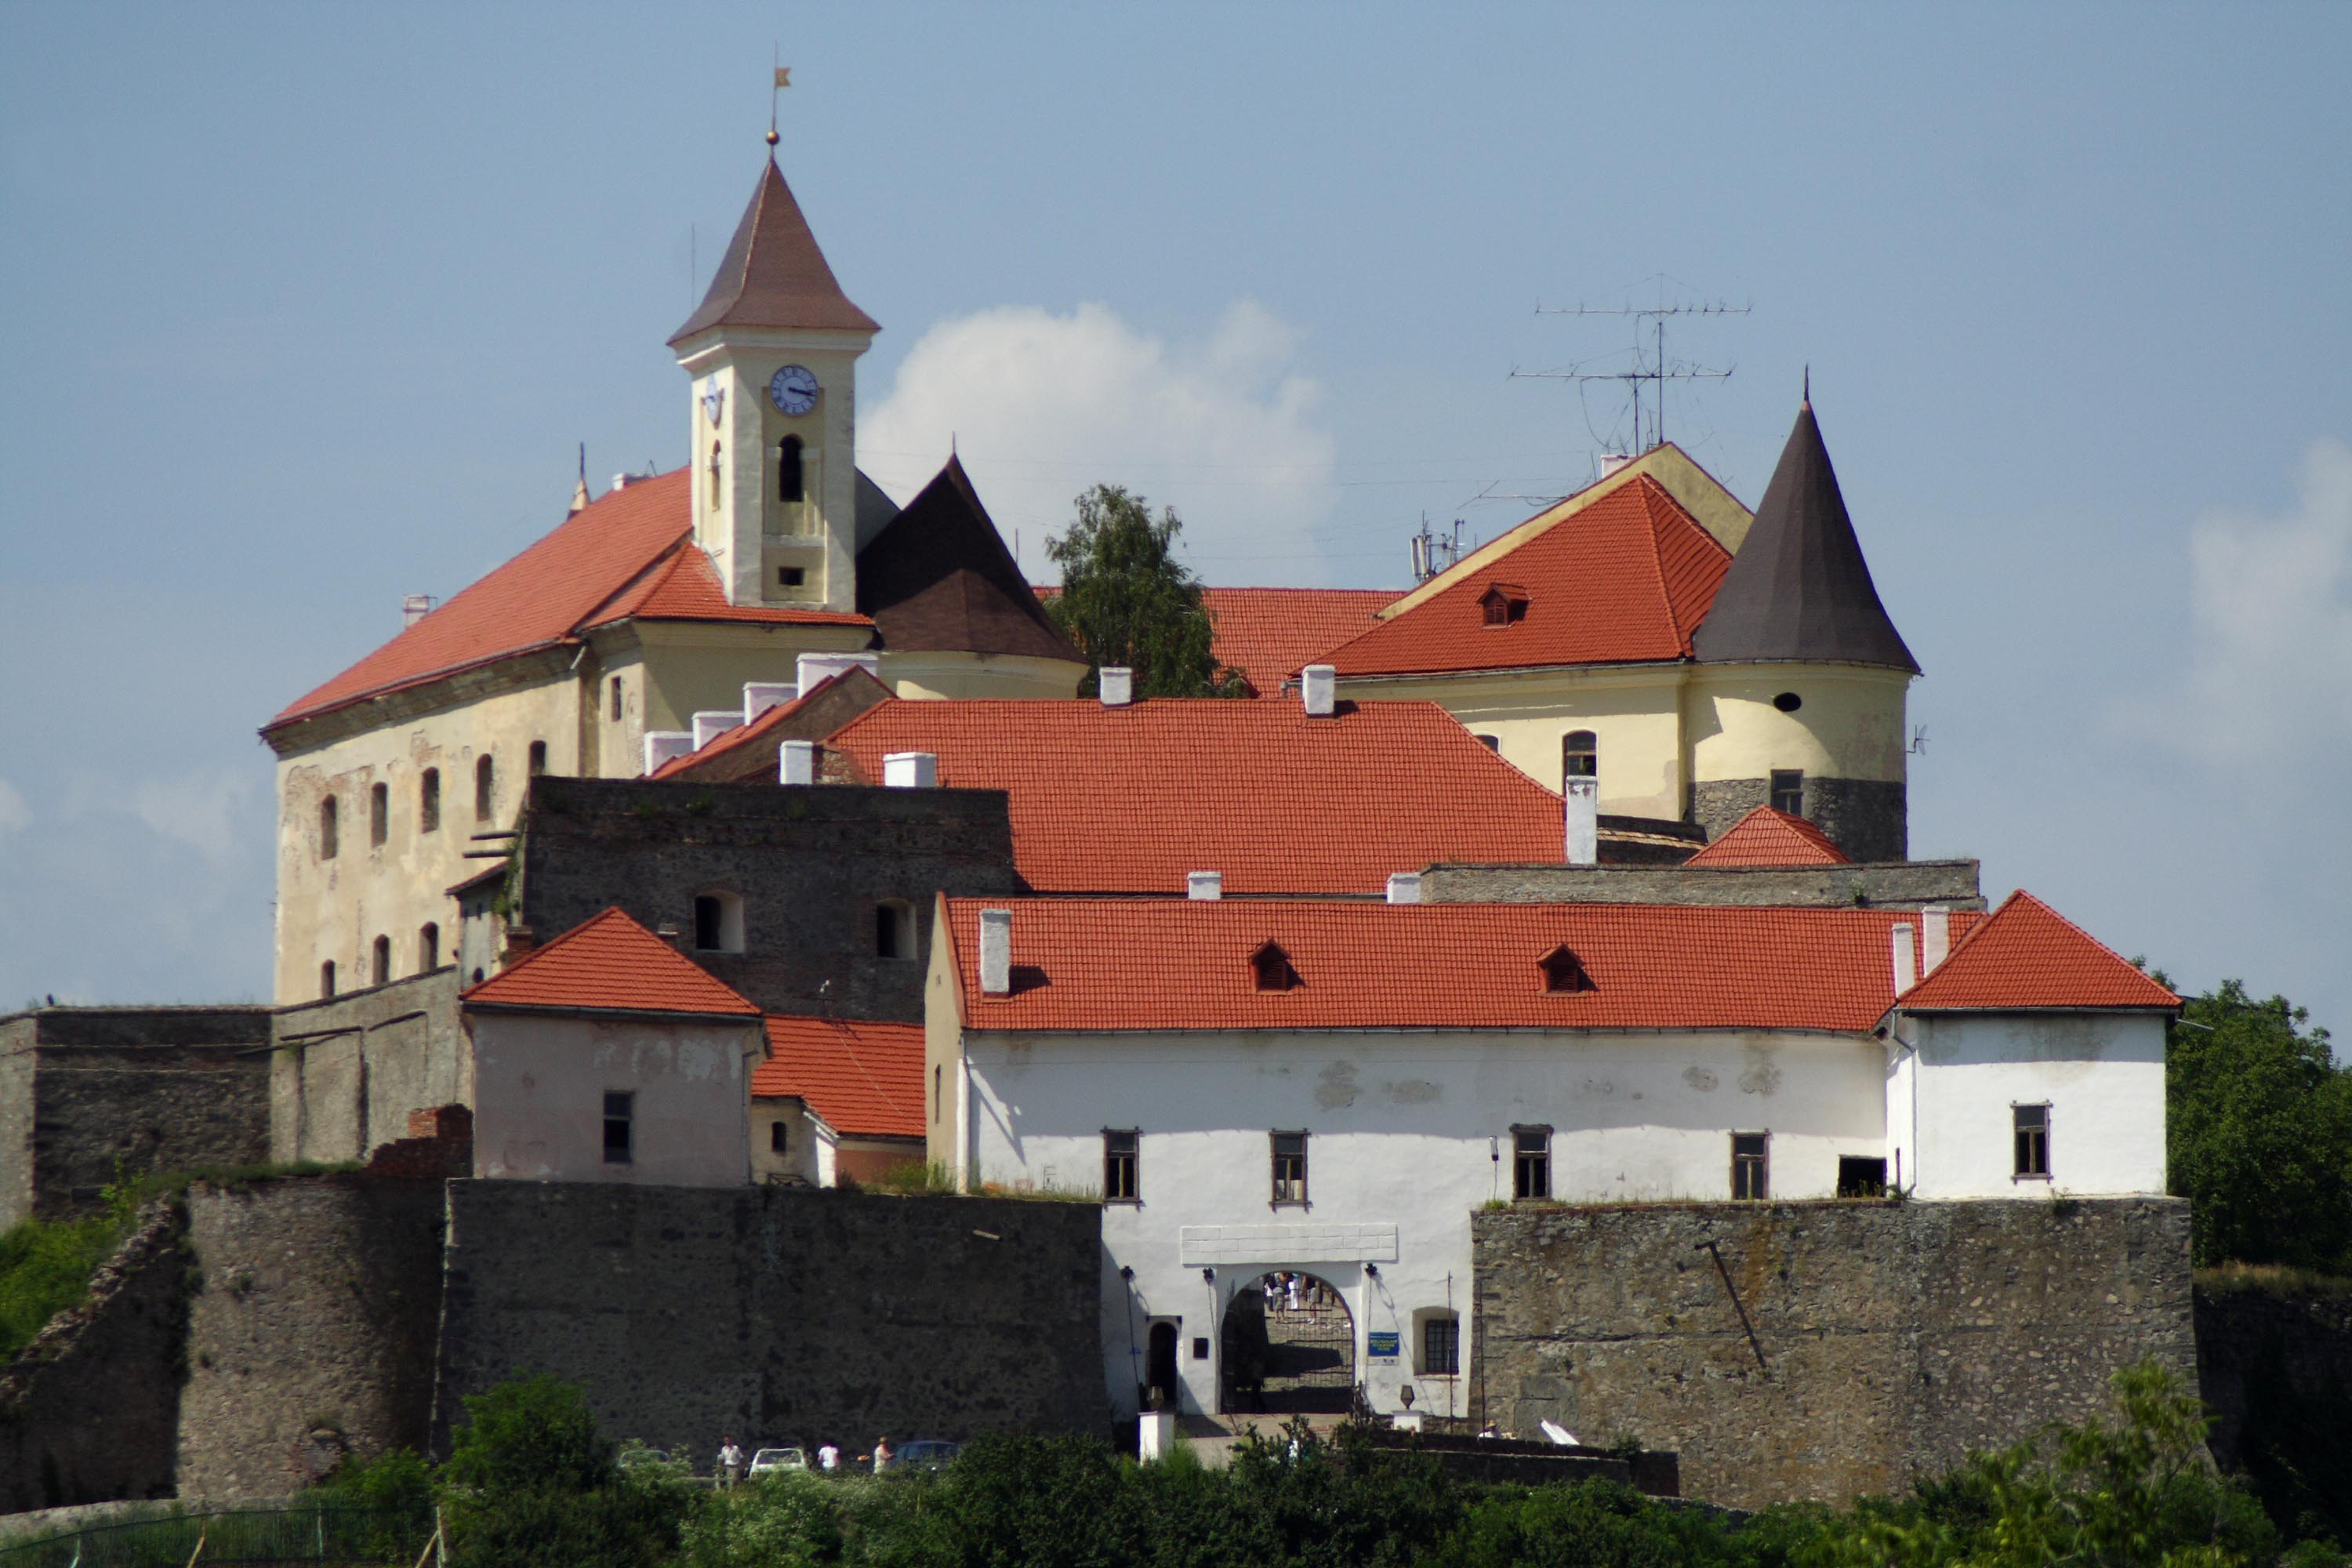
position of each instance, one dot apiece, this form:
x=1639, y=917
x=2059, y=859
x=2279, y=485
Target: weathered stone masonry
x=1893, y=1337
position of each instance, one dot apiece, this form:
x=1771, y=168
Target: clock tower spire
x=771, y=357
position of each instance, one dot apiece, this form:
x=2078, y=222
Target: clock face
x=793, y=389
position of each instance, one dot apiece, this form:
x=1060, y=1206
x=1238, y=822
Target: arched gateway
x=1288, y=1345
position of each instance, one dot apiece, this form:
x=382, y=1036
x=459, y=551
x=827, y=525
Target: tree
x=1127, y=600
x=2259, y=1132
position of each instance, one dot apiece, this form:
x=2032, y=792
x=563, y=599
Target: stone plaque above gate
x=1279, y=1244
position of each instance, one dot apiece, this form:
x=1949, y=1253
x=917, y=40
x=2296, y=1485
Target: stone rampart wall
x=347, y=1073
x=1889, y=1339
x=1903, y=884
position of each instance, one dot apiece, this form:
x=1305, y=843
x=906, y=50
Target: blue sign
x=1381, y=1344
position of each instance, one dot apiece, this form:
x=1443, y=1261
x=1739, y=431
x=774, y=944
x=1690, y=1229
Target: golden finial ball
x=772, y=138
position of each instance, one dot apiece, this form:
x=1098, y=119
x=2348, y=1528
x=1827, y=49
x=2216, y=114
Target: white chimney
x=758, y=696
x=708, y=727
x=1116, y=683
x=661, y=745
x=996, y=952
x=1613, y=462
x=1319, y=690
x=620, y=481
x=1204, y=884
x=815, y=669
x=1580, y=800
x=1906, y=973
x=414, y=607
x=796, y=763
x=911, y=770
x=1935, y=938
x=1404, y=887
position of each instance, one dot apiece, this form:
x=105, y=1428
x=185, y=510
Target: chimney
x=710, y=726
x=414, y=607
x=1118, y=685
x=1906, y=973
x=1404, y=887
x=1935, y=938
x=815, y=669
x=1204, y=885
x=620, y=481
x=521, y=939
x=911, y=770
x=796, y=763
x=661, y=745
x=996, y=952
x=1579, y=801
x=1615, y=461
x=758, y=696
x=1317, y=689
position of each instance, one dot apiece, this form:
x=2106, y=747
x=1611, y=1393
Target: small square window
x=620, y=1119
x=1120, y=1166
x=1748, y=1172
x=1789, y=791
x=1290, y=1167
x=792, y=576
x=1860, y=1178
x=1200, y=1347
x=2031, y=1124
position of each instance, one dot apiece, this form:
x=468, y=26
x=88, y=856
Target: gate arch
x=1288, y=1345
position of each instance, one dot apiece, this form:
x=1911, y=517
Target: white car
x=767, y=1461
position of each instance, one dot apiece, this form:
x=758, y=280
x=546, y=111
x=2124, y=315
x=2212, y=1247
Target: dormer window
x=1270, y=967
x=1504, y=604
x=1562, y=971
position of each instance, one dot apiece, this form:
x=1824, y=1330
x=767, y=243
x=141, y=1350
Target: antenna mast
x=1657, y=369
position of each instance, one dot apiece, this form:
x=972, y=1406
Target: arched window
x=429, y=802
x=428, y=947
x=893, y=928
x=1580, y=755
x=327, y=833
x=486, y=788
x=538, y=758
x=379, y=814
x=616, y=700
x=788, y=469
x=1270, y=968
x=383, y=956
x=327, y=978
x=717, y=923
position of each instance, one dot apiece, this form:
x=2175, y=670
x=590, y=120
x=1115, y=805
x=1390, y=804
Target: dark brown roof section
x=774, y=274
x=1799, y=588
x=939, y=578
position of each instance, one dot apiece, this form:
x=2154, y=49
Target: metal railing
x=351, y=1536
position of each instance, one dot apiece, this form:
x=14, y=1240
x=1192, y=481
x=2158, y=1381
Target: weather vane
x=783, y=81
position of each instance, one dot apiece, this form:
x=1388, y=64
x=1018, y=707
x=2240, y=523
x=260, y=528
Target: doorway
x=1159, y=1366
x=1289, y=1345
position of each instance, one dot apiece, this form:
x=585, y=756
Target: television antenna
x=1435, y=553
x=1649, y=363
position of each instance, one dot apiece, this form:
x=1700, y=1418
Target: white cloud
x=2266, y=699
x=14, y=812
x=1041, y=406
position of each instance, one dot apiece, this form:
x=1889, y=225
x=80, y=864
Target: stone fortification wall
x=777, y=1315
x=1890, y=1339
x=1868, y=819
x=90, y=1093
x=810, y=865
x=89, y=1410
x=1901, y=884
x=347, y=1073
x=311, y=1335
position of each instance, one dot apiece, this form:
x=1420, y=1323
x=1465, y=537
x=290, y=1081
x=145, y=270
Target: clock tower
x=771, y=360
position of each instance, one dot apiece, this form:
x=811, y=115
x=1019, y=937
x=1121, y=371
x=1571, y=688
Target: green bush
x=45, y=1267
x=530, y=1483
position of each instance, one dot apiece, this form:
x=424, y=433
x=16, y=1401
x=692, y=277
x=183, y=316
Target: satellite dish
x=1559, y=1434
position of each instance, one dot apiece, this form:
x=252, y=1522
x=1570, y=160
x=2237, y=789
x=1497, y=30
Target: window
x=1200, y=1347
x=711, y=491
x=1860, y=1178
x=429, y=802
x=327, y=828
x=486, y=788
x=1747, y=1164
x=327, y=978
x=935, y=1097
x=1787, y=703
x=893, y=928
x=776, y=1136
x=1492, y=743
x=790, y=577
x=1503, y=605
x=428, y=947
x=538, y=758
x=1789, y=791
x=717, y=923
x=1530, y=1162
x=379, y=814
x=788, y=469
x=1563, y=971
x=383, y=955
x=616, y=700
x=1580, y=755
x=1270, y=968
x=1290, y=1167
x=1118, y=1167
x=1441, y=1345
x=620, y=1117
x=2032, y=1124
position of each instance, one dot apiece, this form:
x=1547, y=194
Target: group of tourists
x=1289, y=1292
x=732, y=1463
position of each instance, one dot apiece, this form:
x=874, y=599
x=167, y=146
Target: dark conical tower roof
x=939, y=578
x=1799, y=588
x=774, y=274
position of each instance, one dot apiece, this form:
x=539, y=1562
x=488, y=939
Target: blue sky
x=305, y=307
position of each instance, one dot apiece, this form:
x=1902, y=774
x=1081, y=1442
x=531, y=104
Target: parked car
x=767, y=1461
x=926, y=1455
x=634, y=1454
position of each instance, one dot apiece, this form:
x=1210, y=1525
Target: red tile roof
x=1623, y=580
x=1111, y=800
x=1132, y=964
x=610, y=964
x=2026, y=956
x=1769, y=838
x=861, y=1078
x=625, y=554
x=1268, y=632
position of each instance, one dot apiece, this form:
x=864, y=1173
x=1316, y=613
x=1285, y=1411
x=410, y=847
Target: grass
x=2270, y=1280
x=45, y=1267
x=919, y=1178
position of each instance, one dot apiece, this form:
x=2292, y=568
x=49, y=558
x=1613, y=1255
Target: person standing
x=730, y=1463
x=828, y=1458
x=884, y=1455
